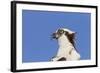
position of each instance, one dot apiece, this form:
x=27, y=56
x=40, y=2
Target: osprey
x=66, y=50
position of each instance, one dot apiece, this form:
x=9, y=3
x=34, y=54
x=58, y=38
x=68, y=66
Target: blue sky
x=37, y=27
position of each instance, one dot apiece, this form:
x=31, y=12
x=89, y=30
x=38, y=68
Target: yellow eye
x=60, y=31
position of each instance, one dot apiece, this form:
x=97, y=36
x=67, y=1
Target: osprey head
x=63, y=31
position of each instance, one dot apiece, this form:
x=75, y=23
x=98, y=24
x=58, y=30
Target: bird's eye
x=60, y=31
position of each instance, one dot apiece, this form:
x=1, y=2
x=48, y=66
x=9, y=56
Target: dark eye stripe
x=60, y=31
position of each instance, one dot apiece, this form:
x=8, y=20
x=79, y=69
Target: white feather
x=65, y=47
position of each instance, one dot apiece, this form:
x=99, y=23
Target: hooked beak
x=54, y=36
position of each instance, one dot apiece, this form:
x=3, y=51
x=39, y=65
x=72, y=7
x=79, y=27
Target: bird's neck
x=64, y=42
